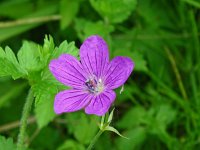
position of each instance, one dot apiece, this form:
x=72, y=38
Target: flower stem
x=95, y=139
x=23, y=122
x=29, y=21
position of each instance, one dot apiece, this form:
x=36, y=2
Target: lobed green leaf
x=7, y=144
x=9, y=66
x=115, y=11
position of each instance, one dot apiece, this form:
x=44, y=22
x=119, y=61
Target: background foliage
x=160, y=106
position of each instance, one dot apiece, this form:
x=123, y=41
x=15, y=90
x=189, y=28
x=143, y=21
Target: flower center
x=94, y=86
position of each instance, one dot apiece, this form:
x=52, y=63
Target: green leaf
x=136, y=137
x=158, y=118
x=110, y=117
x=71, y=145
x=165, y=115
x=130, y=90
x=115, y=11
x=109, y=128
x=137, y=57
x=138, y=113
x=48, y=46
x=44, y=111
x=44, y=84
x=7, y=144
x=24, y=8
x=19, y=8
x=140, y=62
x=150, y=17
x=68, y=11
x=193, y=3
x=65, y=47
x=29, y=57
x=85, y=128
x=47, y=49
x=9, y=65
x=45, y=93
x=86, y=28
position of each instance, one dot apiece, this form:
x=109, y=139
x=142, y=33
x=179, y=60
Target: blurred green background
x=160, y=106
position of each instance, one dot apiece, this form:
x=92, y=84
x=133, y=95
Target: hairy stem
x=26, y=21
x=15, y=124
x=25, y=114
x=95, y=139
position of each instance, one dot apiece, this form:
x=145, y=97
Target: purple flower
x=92, y=79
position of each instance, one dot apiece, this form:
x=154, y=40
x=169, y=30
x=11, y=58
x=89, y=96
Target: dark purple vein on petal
x=117, y=76
x=75, y=103
x=70, y=74
x=73, y=91
x=107, y=97
x=78, y=70
x=69, y=82
x=78, y=95
x=97, y=73
x=112, y=70
x=94, y=101
x=78, y=83
x=83, y=60
x=89, y=101
x=103, y=73
x=84, y=99
x=100, y=101
x=101, y=63
x=90, y=64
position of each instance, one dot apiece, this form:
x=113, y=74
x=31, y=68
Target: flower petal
x=68, y=70
x=94, y=55
x=71, y=100
x=100, y=104
x=118, y=71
